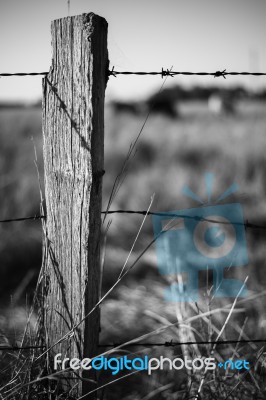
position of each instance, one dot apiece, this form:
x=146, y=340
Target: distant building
x=221, y=104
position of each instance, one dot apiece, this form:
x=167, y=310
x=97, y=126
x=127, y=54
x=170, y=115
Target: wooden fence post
x=73, y=132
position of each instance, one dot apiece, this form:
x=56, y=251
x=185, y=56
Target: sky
x=143, y=35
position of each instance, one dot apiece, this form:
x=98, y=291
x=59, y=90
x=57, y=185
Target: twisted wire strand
x=163, y=73
x=35, y=217
x=167, y=72
x=170, y=343
x=23, y=73
x=247, y=224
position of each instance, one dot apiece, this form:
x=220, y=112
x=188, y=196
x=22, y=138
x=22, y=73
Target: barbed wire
x=23, y=74
x=247, y=224
x=174, y=344
x=170, y=343
x=171, y=214
x=166, y=72
x=35, y=217
x=14, y=348
x=163, y=73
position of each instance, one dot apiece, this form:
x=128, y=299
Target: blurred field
x=20, y=244
x=170, y=153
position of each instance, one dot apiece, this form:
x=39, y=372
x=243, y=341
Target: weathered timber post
x=73, y=132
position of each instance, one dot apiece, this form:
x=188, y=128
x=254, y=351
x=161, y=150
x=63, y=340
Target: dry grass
x=171, y=153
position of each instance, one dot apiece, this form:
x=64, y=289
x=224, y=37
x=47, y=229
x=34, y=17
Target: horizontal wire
x=24, y=74
x=163, y=73
x=171, y=73
x=163, y=344
x=173, y=344
x=20, y=348
x=197, y=218
x=246, y=224
x=35, y=217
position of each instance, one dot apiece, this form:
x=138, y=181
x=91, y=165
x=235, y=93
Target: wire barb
x=167, y=72
x=112, y=72
x=220, y=73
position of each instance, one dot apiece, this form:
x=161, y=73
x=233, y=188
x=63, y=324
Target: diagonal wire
x=122, y=175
